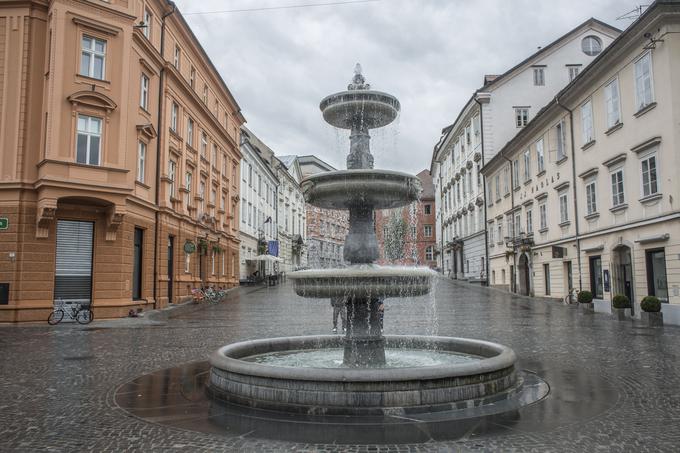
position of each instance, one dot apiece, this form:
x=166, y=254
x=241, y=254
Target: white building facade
x=594, y=204
x=492, y=116
x=292, y=219
x=259, y=205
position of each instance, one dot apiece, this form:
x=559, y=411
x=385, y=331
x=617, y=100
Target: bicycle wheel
x=55, y=317
x=84, y=316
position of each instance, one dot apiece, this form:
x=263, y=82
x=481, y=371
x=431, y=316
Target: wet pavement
x=614, y=386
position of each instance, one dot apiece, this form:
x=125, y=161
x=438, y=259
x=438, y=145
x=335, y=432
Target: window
x=564, y=208
x=187, y=186
x=591, y=198
x=611, y=100
x=204, y=144
x=618, y=197
x=187, y=263
x=510, y=226
x=413, y=232
x=190, y=132
x=141, y=161
x=591, y=45
x=428, y=209
x=427, y=231
x=148, y=17
x=546, y=278
x=492, y=231
x=205, y=93
x=498, y=187
x=539, y=76
x=192, y=77
x=518, y=224
x=506, y=180
x=88, y=141
x=543, y=216
x=212, y=262
x=177, y=57
x=573, y=72
x=201, y=195
x=223, y=203
x=144, y=93
x=174, y=111
x=213, y=196
x=172, y=169
x=657, y=282
x=649, y=180
x=539, y=156
x=93, y=57
x=515, y=173
x=521, y=116
x=587, y=122
x=527, y=165
x=213, y=156
x=429, y=253
x=561, y=141
x=643, y=82
x=530, y=222
x=499, y=228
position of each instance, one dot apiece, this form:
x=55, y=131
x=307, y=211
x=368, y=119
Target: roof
x=265, y=153
x=287, y=160
x=425, y=178
x=311, y=165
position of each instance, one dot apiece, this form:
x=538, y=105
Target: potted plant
x=202, y=247
x=620, y=307
x=651, y=311
x=585, y=301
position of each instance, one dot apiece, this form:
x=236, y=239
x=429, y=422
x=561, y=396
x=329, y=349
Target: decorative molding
x=92, y=99
x=588, y=173
x=47, y=213
x=147, y=130
x=597, y=248
x=615, y=160
x=656, y=238
x=649, y=143
x=614, y=128
x=96, y=25
x=562, y=186
x=588, y=145
x=114, y=218
x=644, y=110
x=541, y=196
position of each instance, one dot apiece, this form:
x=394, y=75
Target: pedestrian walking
x=338, y=304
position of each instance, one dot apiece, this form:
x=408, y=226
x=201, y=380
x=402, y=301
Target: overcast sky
x=430, y=54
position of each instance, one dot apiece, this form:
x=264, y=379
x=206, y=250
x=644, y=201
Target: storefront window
x=596, y=286
x=657, y=284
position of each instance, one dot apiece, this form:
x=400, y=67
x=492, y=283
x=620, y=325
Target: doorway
x=73, y=263
x=137, y=264
x=524, y=275
x=622, y=272
x=568, y=272
x=171, y=267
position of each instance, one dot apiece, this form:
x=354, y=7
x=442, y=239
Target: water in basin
x=333, y=358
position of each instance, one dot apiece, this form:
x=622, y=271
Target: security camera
x=647, y=35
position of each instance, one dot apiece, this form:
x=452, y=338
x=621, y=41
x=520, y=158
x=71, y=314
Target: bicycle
x=571, y=297
x=81, y=313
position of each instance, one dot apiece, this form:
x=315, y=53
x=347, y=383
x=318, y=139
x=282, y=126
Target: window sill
x=619, y=208
x=564, y=224
x=651, y=198
x=174, y=134
x=540, y=173
x=528, y=181
x=614, y=128
x=140, y=183
x=588, y=145
x=543, y=230
x=93, y=79
x=592, y=216
x=561, y=161
x=644, y=110
x=516, y=188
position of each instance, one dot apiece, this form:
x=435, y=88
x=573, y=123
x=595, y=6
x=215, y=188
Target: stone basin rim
x=356, y=173
x=357, y=95
x=368, y=272
x=228, y=358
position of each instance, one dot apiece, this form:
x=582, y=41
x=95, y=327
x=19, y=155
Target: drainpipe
x=161, y=80
x=573, y=178
x=486, y=235
x=512, y=211
x=441, y=221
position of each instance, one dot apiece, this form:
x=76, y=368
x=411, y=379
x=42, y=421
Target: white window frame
x=564, y=206
x=521, y=116
x=612, y=103
x=641, y=98
x=540, y=156
x=646, y=159
x=527, y=165
x=587, y=127
x=427, y=231
x=561, y=140
x=93, y=54
x=591, y=197
x=515, y=173
x=188, y=176
x=539, y=76
x=190, y=131
x=89, y=133
x=141, y=161
x=529, y=221
x=147, y=18
x=204, y=143
x=618, y=196
x=177, y=57
x=573, y=71
x=174, y=113
x=543, y=216
x=172, y=173
x=144, y=92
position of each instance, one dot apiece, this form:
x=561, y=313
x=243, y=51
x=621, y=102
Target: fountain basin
x=363, y=281
x=363, y=391
x=380, y=189
x=372, y=109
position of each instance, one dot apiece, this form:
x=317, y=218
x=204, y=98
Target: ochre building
x=119, y=159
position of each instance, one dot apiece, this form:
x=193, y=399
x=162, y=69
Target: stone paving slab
x=57, y=383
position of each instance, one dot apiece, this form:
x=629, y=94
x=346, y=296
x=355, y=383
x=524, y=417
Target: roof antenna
x=633, y=14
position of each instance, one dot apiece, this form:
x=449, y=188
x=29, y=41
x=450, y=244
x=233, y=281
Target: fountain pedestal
x=364, y=342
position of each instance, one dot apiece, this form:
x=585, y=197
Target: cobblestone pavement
x=57, y=383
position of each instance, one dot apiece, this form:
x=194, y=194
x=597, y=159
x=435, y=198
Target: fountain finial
x=358, y=81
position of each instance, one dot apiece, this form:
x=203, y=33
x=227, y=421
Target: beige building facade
x=593, y=197
x=119, y=156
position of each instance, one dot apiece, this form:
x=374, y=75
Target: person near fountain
x=338, y=304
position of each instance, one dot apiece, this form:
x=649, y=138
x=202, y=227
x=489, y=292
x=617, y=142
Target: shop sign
x=4, y=223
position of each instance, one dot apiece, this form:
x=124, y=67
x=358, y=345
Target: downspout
x=161, y=79
x=441, y=221
x=486, y=234
x=512, y=211
x=573, y=177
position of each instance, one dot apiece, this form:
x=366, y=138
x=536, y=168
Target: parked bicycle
x=74, y=310
x=571, y=297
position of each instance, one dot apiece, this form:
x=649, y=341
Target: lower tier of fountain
x=443, y=374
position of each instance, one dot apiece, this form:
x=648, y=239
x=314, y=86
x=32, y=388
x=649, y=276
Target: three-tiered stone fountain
x=420, y=373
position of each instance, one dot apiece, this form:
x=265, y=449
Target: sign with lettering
x=559, y=252
x=4, y=223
